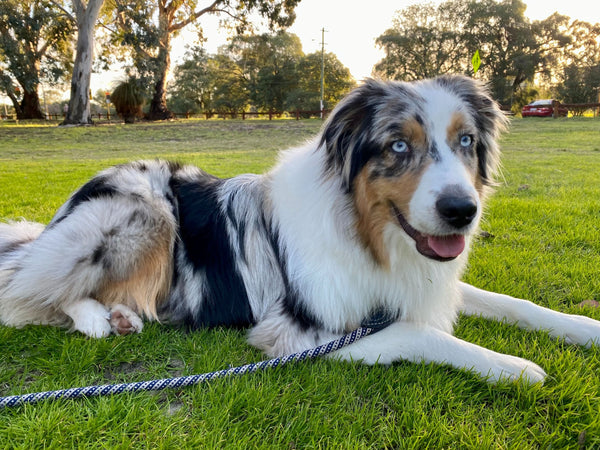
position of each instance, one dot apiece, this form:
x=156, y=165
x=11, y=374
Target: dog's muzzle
x=457, y=212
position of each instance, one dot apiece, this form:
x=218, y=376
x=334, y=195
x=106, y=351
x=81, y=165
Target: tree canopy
x=148, y=27
x=428, y=40
x=35, y=45
x=269, y=72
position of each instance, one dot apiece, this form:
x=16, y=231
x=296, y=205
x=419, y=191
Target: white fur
x=574, y=329
x=89, y=317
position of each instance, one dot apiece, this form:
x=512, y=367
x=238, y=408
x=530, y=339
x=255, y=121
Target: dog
x=373, y=218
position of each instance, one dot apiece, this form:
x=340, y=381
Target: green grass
x=542, y=243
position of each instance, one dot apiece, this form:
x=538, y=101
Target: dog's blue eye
x=400, y=146
x=466, y=140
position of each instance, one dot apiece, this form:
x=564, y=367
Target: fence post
x=555, y=108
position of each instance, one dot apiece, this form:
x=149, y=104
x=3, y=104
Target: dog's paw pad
x=123, y=320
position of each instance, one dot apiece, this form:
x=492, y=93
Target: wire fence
x=207, y=115
x=560, y=110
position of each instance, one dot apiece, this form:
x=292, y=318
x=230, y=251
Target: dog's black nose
x=457, y=211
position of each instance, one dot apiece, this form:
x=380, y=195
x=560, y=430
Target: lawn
x=540, y=241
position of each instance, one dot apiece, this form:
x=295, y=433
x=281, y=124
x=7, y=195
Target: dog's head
x=416, y=157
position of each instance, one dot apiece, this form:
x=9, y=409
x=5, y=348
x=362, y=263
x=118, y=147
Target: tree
x=580, y=84
x=505, y=39
x=208, y=83
x=269, y=64
x=151, y=40
x=268, y=71
x=231, y=90
x=337, y=82
x=427, y=41
x=79, y=102
x=34, y=45
x=194, y=83
x=579, y=79
x=423, y=42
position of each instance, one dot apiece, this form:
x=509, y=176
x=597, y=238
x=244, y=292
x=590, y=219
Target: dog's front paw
x=89, y=317
x=123, y=320
x=511, y=368
x=93, y=326
x=580, y=330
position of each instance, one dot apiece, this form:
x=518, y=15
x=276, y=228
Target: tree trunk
x=158, y=106
x=30, y=106
x=79, y=103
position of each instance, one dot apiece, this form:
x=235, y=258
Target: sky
x=352, y=26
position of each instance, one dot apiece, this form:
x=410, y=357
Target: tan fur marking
x=457, y=125
x=415, y=133
x=373, y=200
x=148, y=284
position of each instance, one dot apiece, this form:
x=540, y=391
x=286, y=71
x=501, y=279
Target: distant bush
x=128, y=99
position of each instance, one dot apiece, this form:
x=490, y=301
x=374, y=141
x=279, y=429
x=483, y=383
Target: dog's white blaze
x=449, y=173
x=446, y=172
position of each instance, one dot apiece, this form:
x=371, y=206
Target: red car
x=542, y=108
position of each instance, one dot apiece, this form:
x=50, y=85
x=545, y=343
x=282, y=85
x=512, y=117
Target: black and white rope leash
x=178, y=382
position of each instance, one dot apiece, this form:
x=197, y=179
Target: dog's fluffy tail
x=15, y=240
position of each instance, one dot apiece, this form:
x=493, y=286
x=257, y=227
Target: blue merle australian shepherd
x=376, y=214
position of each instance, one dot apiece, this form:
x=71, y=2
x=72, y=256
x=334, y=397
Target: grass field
x=542, y=242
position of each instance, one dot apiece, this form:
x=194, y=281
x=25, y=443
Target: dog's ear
x=347, y=134
x=489, y=119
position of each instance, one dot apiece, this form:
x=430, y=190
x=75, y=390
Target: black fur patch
x=12, y=247
x=291, y=302
x=138, y=217
x=434, y=153
x=98, y=255
x=95, y=188
x=351, y=142
x=203, y=238
x=295, y=309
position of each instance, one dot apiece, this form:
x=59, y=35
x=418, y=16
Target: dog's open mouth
x=440, y=248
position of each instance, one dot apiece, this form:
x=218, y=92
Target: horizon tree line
x=521, y=58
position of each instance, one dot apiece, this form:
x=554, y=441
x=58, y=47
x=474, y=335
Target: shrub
x=128, y=99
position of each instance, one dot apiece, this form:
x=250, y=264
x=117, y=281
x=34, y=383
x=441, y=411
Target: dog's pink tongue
x=447, y=246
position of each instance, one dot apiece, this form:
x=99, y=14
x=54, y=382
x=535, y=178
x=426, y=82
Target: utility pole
x=322, y=69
